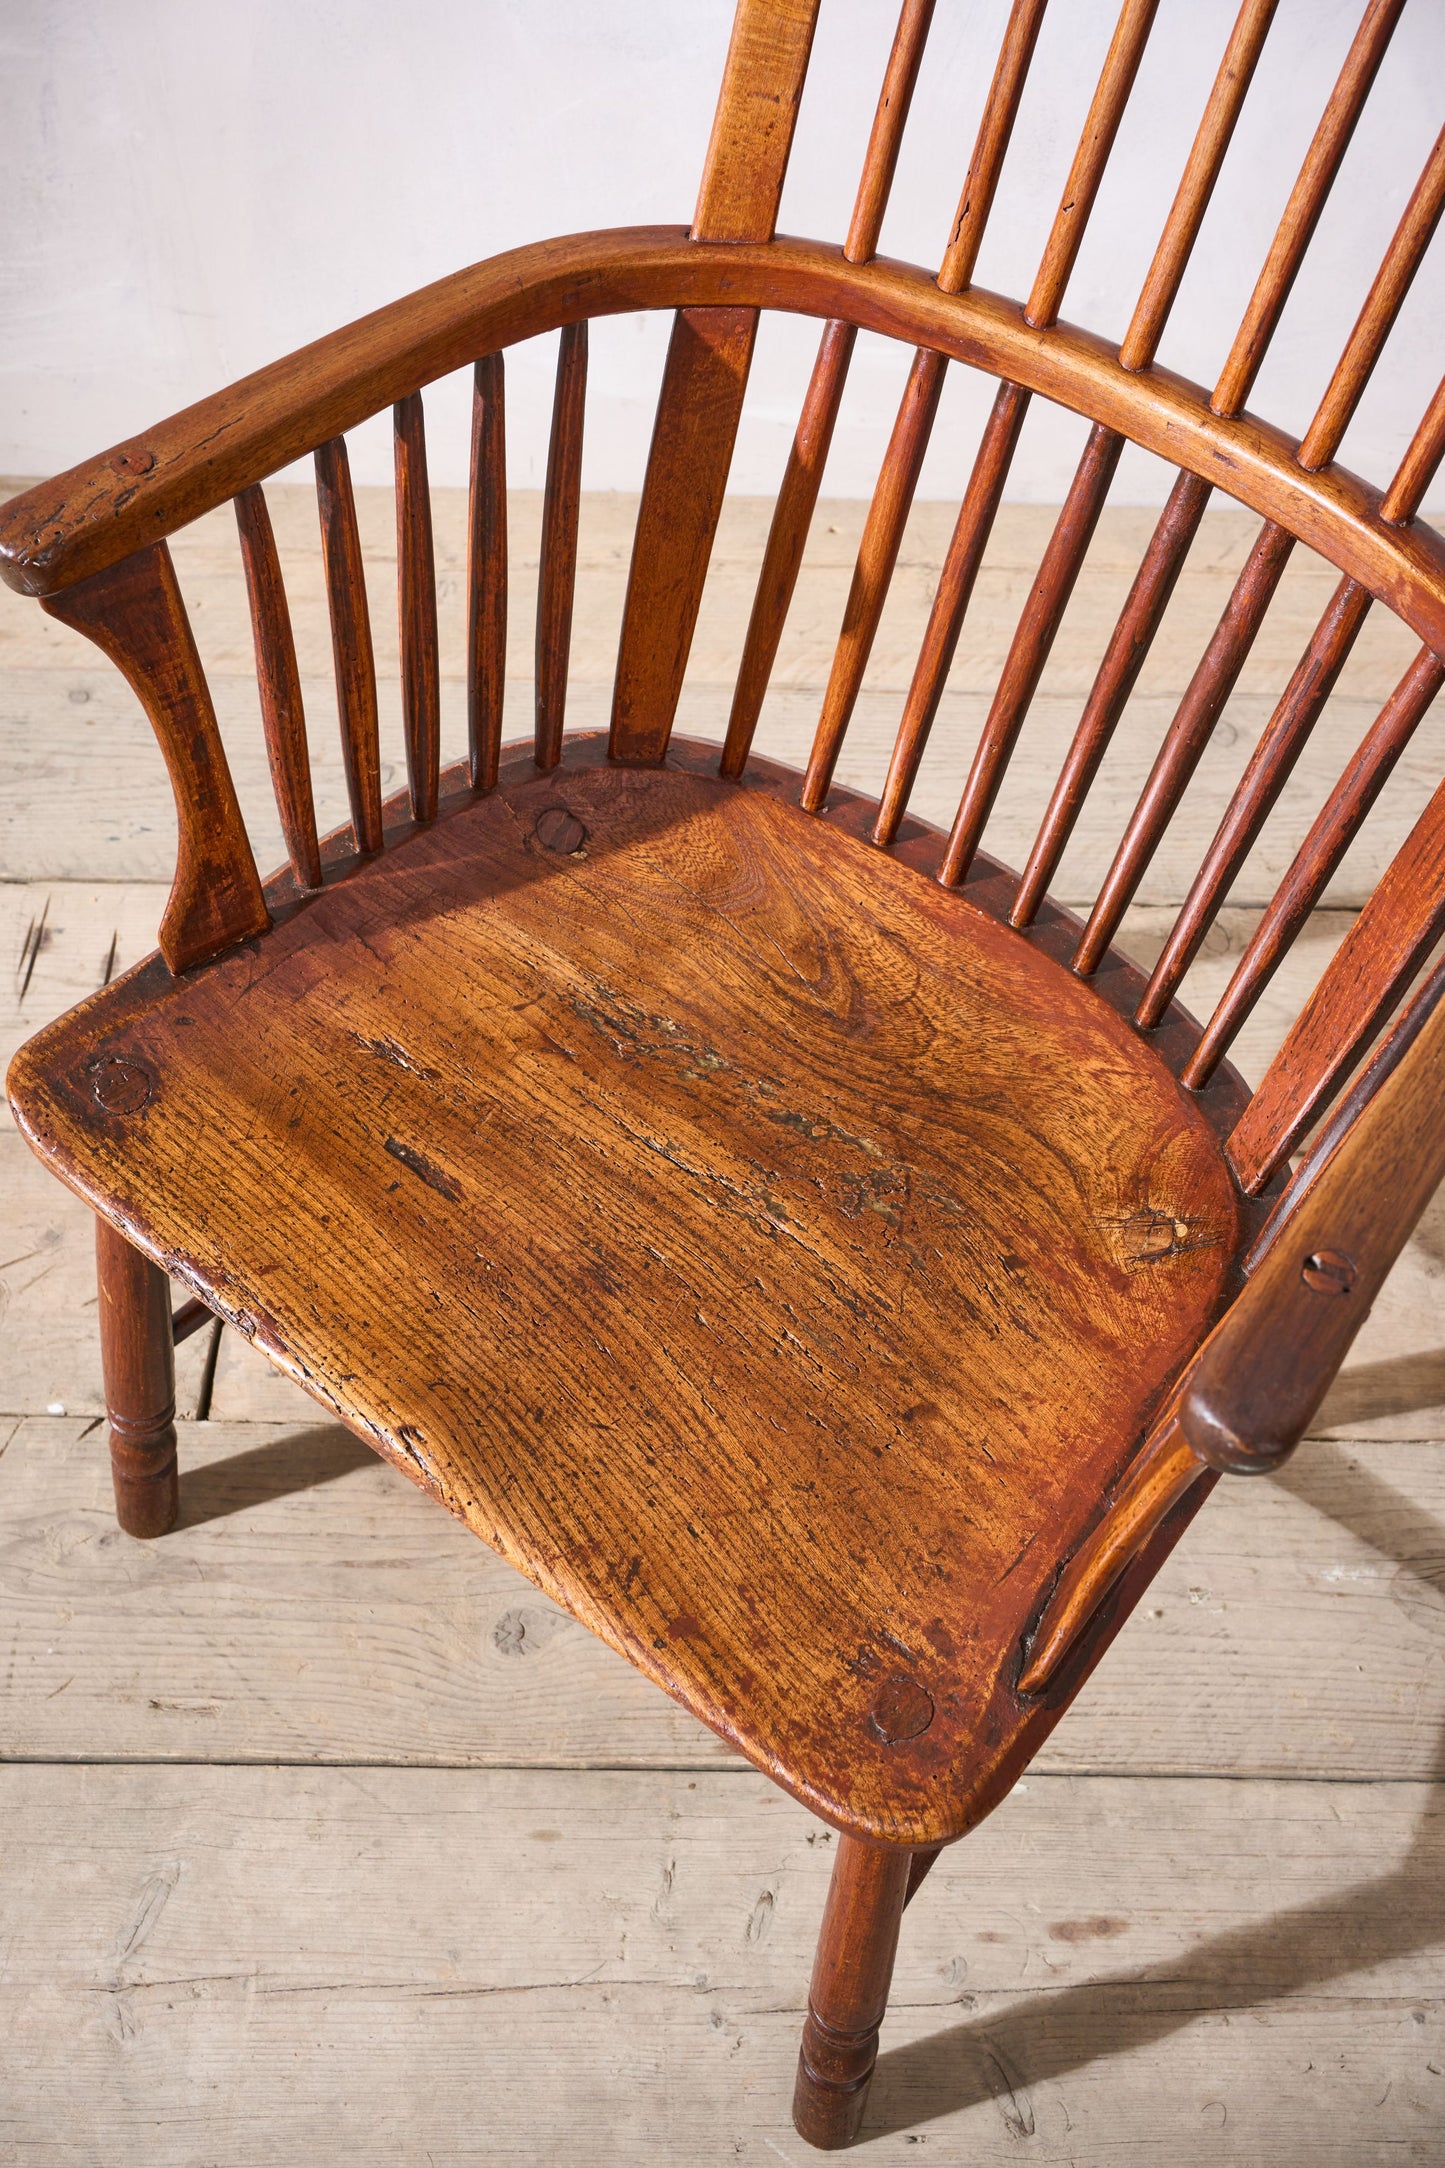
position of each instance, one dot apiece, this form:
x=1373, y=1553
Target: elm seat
x=706, y=1196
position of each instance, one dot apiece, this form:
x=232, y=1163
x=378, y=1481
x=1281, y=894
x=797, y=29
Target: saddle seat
x=774, y=1256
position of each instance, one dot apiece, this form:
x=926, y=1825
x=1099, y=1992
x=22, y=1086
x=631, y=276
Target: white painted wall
x=193, y=187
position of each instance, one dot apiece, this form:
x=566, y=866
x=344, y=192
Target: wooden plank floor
x=327, y=1840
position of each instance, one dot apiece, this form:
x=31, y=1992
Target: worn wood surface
x=278, y=685
x=313, y=1607
x=137, y=1347
x=417, y=608
x=86, y=519
x=741, y=1197
x=135, y=615
x=317, y=1607
x=352, y=649
x=848, y=1996
x=1258, y=1382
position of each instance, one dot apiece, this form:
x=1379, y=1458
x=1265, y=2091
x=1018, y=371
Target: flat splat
x=772, y=1255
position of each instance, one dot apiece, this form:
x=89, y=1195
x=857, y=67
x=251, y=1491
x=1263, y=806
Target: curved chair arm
x=1251, y=1391
x=93, y=516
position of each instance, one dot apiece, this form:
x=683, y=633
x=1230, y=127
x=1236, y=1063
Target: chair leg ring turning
x=849, y=1994
x=138, y=1358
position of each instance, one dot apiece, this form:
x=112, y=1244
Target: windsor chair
x=821, y=1262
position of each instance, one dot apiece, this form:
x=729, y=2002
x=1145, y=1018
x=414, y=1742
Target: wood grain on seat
x=769, y=1252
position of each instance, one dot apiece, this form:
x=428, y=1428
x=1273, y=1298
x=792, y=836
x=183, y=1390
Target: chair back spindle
x=1218, y=671
x=902, y=463
x=1164, y=560
x=487, y=572
x=283, y=717
x=417, y=609
x=557, y=574
x=1304, y=699
x=354, y=660
x=808, y=455
x=994, y=459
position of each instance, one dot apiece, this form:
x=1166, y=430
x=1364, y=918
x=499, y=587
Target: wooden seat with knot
x=820, y=1261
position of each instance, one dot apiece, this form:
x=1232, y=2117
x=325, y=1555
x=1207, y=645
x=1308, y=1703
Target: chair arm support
x=1255, y=1385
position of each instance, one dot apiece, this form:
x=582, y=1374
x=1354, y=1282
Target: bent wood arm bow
x=139, y=492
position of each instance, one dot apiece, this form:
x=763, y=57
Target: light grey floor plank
x=234, y=1965
x=64, y=739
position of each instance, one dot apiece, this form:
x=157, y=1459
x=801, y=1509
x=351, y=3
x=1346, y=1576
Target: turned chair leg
x=137, y=1355
x=849, y=1994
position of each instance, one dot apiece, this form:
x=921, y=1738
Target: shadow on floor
x=1045, y=2036
x=301, y=1460
x=1400, y=1385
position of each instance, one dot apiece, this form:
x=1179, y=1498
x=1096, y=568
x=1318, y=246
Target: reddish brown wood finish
x=849, y=1992
x=136, y=1351
x=1163, y=561
x=950, y=605
x=708, y=359
x=1118, y=673
x=557, y=578
x=417, y=609
x=1314, y=680
x=283, y=717
x=648, y=981
x=1376, y=319
x=1116, y=80
x=898, y=478
x=1161, y=1474
x=1038, y=624
x=1000, y=437
x=1376, y=961
x=1000, y=112
x=1418, y=468
x=1307, y=200
x=134, y=614
x=82, y=520
x=706, y=375
x=787, y=537
x=771, y=1097
x=1187, y=736
x=1333, y=830
x=1196, y=186
x=873, y=573
x=1252, y=1390
x=189, y=1318
x=757, y=111
x=487, y=572
x=1071, y=538
x=351, y=648
x=808, y=456
x=1179, y=523
x=1269, y=767
x=886, y=139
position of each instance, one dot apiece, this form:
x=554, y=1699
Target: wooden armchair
x=825, y=1266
